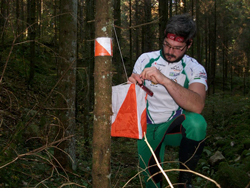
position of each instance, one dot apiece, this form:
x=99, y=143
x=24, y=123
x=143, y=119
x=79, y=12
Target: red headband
x=175, y=37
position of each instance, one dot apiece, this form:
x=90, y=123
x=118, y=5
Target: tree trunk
x=32, y=36
x=176, y=7
x=213, y=59
x=67, y=86
x=192, y=13
x=185, y=6
x=39, y=18
x=55, y=23
x=17, y=19
x=137, y=31
x=170, y=8
x=88, y=100
x=117, y=78
x=3, y=16
x=147, y=29
x=101, y=172
x=163, y=12
x=198, y=36
x=131, y=63
x=22, y=20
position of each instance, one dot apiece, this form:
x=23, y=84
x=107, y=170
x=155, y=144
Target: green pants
x=190, y=125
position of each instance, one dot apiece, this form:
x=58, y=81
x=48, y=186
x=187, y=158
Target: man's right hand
x=134, y=78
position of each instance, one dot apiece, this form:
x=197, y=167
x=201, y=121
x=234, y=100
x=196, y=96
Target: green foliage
x=231, y=177
x=27, y=124
x=229, y=133
x=225, y=110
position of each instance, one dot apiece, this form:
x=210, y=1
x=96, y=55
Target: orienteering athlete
x=179, y=84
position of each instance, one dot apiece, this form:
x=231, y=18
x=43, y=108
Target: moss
x=246, y=143
x=231, y=177
x=245, y=153
x=230, y=152
x=223, y=142
x=246, y=163
x=241, y=127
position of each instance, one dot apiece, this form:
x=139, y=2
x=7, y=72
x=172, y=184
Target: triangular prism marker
x=103, y=46
x=128, y=111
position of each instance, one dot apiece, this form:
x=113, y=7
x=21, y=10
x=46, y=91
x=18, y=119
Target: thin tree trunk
x=206, y=42
x=89, y=64
x=137, y=45
x=185, y=6
x=17, y=19
x=147, y=29
x=163, y=12
x=170, y=8
x=198, y=38
x=131, y=63
x=192, y=13
x=176, y=7
x=32, y=36
x=67, y=86
x=117, y=78
x=101, y=172
x=55, y=23
x=3, y=18
x=224, y=61
x=214, y=47
x=39, y=17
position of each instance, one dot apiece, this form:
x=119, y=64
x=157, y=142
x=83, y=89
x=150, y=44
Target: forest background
x=49, y=89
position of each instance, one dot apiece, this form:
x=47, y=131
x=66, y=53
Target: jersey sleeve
x=197, y=74
x=140, y=63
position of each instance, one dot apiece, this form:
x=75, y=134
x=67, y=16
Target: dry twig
x=35, y=151
x=157, y=162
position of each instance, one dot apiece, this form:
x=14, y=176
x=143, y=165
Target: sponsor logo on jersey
x=143, y=60
x=153, y=84
x=203, y=74
x=192, y=71
x=176, y=68
x=174, y=73
x=162, y=65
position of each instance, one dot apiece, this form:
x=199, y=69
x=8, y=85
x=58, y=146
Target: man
x=173, y=112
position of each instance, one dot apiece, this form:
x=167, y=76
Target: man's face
x=174, y=50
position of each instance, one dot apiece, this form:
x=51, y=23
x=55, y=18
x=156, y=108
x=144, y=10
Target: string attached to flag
x=120, y=52
x=148, y=91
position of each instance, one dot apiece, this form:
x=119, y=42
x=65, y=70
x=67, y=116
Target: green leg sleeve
x=156, y=135
x=145, y=154
x=169, y=133
x=195, y=126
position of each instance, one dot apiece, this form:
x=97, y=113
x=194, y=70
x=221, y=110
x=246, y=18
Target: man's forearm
x=188, y=99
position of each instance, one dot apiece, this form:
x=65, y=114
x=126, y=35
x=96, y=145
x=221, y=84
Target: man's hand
x=134, y=78
x=153, y=74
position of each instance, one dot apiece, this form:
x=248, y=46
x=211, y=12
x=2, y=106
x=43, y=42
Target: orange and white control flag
x=129, y=117
x=103, y=46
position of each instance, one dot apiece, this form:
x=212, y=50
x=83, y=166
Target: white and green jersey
x=161, y=107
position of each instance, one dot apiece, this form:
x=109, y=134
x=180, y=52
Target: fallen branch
x=158, y=164
x=36, y=150
x=196, y=173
